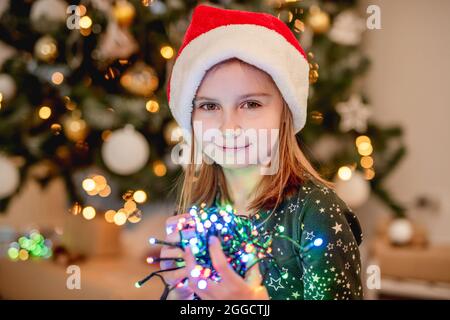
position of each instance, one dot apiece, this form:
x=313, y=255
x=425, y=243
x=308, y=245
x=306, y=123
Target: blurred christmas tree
x=82, y=89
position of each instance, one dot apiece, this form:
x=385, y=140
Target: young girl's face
x=236, y=115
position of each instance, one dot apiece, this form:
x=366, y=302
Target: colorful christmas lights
x=31, y=245
x=241, y=241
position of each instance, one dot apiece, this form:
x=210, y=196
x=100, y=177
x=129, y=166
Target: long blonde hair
x=201, y=184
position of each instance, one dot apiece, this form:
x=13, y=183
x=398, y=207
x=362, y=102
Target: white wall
x=409, y=83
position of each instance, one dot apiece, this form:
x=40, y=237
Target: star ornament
x=354, y=114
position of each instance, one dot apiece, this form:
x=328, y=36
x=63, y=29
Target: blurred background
x=86, y=136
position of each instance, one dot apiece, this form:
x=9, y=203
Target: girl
x=239, y=72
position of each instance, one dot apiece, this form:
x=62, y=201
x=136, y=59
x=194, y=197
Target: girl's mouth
x=233, y=148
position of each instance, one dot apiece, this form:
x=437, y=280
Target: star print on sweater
x=329, y=268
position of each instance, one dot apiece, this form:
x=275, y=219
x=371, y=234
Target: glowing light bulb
x=207, y=272
x=195, y=249
x=85, y=22
x=249, y=248
x=140, y=196
x=88, y=184
x=318, y=242
x=45, y=112
x=167, y=52
x=120, y=218
x=345, y=173
x=88, y=213
x=195, y=273
x=202, y=284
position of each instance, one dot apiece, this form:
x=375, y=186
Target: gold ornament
x=76, y=209
x=172, y=133
x=318, y=20
x=316, y=117
x=128, y=195
x=140, y=79
x=152, y=106
x=46, y=49
x=124, y=13
x=313, y=73
x=299, y=26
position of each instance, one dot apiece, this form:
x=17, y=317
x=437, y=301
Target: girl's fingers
x=171, y=252
x=175, y=276
x=193, y=281
x=189, y=258
x=220, y=263
x=212, y=291
x=253, y=276
x=173, y=237
x=172, y=222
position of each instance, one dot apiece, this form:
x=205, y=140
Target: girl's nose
x=230, y=122
x=232, y=133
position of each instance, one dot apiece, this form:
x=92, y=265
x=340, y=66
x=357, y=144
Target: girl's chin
x=234, y=166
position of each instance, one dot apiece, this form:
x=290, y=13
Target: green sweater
x=330, y=271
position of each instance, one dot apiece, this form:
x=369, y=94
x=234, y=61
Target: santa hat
x=260, y=39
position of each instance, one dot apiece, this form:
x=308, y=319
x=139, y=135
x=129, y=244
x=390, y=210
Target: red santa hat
x=260, y=39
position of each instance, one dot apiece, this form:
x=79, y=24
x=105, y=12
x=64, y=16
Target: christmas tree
x=82, y=95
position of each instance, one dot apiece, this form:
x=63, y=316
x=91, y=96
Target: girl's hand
x=231, y=286
x=174, y=277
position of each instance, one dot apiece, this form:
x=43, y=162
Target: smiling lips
x=233, y=148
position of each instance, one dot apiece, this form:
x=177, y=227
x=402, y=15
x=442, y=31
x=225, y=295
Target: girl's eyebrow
x=258, y=94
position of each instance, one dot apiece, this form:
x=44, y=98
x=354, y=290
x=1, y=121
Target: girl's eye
x=251, y=105
x=209, y=107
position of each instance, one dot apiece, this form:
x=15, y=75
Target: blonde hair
x=201, y=185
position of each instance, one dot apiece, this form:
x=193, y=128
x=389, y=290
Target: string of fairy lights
x=241, y=241
x=365, y=150
x=97, y=185
x=31, y=245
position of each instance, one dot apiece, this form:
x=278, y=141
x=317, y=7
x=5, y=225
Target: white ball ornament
x=400, y=231
x=126, y=151
x=47, y=15
x=7, y=87
x=9, y=177
x=354, y=191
